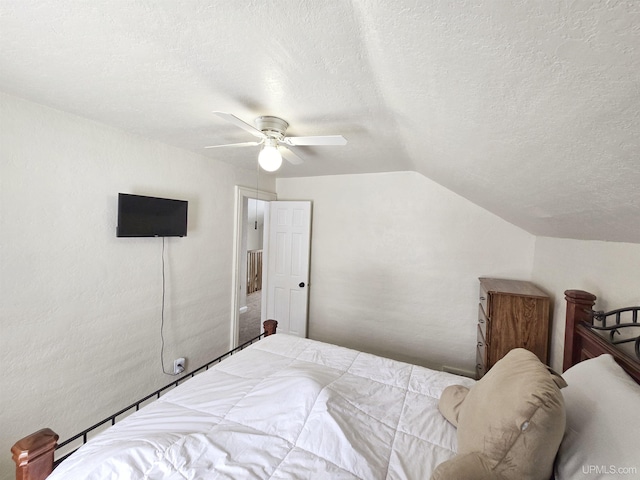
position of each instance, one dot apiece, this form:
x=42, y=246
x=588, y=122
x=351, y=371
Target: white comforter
x=285, y=408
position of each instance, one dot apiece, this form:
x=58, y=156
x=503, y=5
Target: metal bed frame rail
x=157, y=394
x=618, y=325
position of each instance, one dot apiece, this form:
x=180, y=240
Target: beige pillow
x=510, y=423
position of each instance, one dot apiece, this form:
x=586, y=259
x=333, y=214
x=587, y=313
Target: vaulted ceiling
x=530, y=109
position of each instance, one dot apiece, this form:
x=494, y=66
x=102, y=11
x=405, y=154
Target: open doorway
x=249, y=234
x=249, y=319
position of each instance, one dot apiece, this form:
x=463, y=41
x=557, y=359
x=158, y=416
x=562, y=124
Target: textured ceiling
x=529, y=109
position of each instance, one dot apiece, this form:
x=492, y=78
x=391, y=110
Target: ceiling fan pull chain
x=255, y=225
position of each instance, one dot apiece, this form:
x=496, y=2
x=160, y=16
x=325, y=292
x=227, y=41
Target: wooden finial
x=33, y=455
x=270, y=327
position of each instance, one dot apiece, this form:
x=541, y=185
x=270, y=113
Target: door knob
x=301, y=284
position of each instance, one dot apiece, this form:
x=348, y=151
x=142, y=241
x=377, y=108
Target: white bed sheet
x=284, y=408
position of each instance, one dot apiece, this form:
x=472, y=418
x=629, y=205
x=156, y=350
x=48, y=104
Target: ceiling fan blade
x=243, y=144
x=240, y=123
x=290, y=156
x=316, y=140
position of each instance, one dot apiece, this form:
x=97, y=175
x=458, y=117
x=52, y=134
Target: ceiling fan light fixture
x=270, y=158
x=272, y=134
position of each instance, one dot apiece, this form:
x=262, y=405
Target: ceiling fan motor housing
x=272, y=126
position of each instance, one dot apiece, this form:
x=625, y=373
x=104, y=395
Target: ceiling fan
x=271, y=133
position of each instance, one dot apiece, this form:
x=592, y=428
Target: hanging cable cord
x=162, y=315
x=255, y=224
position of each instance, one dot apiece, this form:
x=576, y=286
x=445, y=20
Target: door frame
x=241, y=194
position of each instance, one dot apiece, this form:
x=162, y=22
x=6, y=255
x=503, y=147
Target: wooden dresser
x=511, y=314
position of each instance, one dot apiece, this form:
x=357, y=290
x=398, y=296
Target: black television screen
x=140, y=216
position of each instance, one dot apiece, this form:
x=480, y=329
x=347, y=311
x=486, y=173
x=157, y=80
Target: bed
x=333, y=411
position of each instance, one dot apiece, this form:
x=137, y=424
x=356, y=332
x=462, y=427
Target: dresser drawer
x=481, y=346
x=481, y=366
x=484, y=300
x=484, y=324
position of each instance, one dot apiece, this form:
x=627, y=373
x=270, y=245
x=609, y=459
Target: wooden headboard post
x=270, y=327
x=33, y=455
x=579, y=308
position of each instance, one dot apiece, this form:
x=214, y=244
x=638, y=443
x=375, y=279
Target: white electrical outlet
x=178, y=366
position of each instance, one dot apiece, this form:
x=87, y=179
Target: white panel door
x=287, y=272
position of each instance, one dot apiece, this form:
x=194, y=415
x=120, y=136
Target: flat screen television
x=140, y=216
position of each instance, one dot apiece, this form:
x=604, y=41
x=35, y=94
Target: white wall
x=395, y=263
x=80, y=310
x=609, y=270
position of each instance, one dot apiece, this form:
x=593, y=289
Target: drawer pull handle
x=481, y=320
x=480, y=345
x=482, y=299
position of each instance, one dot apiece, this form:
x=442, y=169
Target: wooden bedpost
x=269, y=327
x=33, y=455
x=579, y=308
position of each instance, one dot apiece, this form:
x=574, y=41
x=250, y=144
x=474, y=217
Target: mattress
x=284, y=408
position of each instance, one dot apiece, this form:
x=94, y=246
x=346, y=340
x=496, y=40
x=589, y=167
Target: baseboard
x=459, y=371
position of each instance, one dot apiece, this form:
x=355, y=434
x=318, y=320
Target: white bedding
x=284, y=408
